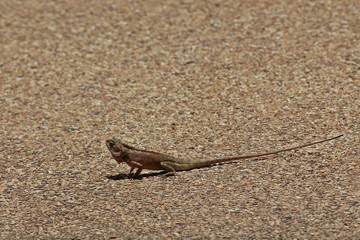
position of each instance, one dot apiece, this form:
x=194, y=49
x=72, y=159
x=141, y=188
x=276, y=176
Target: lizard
x=142, y=159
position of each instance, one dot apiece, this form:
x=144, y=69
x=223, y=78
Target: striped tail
x=205, y=163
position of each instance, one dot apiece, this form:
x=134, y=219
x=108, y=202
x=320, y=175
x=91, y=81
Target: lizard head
x=115, y=146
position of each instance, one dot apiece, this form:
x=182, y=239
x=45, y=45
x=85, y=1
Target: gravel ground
x=199, y=79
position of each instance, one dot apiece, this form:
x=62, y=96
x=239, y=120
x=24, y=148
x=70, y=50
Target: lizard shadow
x=123, y=176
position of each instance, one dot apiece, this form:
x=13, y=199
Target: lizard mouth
x=115, y=154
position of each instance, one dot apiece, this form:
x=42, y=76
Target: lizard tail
x=206, y=163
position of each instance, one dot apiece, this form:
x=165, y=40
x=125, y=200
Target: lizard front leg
x=134, y=165
x=137, y=173
x=131, y=169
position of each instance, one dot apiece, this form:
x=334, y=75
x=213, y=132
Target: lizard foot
x=169, y=174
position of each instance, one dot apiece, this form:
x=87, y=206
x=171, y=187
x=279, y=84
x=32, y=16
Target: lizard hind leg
x=168, y=166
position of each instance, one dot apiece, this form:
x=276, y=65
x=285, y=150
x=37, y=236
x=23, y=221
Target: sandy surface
x=190, y=79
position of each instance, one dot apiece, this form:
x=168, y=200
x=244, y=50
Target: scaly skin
x=142, y=159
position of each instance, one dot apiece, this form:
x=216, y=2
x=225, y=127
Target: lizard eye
x=110, y=144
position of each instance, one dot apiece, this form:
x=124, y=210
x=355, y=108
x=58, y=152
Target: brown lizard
x=142, y=159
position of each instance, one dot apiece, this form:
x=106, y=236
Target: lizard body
x=142, y=159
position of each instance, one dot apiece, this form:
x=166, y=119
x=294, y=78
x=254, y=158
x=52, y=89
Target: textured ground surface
x=185, y=78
